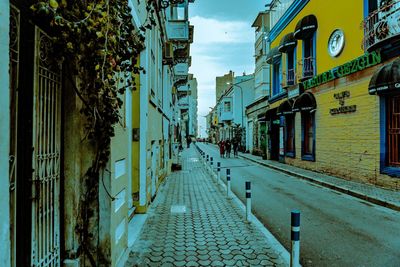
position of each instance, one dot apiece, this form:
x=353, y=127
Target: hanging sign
x=293, y=92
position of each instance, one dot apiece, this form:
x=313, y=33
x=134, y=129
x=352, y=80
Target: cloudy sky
x=223, y=41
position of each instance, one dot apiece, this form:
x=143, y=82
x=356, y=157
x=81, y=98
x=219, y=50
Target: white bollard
x=228, y=182
x=248, y=200
x=212, y=165
x=218, y=171
x=295, y=237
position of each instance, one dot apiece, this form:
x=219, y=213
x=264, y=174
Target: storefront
x=256, y=136
x=275, y=137
x=385, y=84
x=348, y=126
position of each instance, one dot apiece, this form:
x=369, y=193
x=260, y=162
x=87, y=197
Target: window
x=276, y=79
x=227, y=106
x=393, y=131
x=290, y=76
x=371, y=6
x=290, y=151
x=181, y=12
x=308, y=58
x=178, y=12
x=308, y=133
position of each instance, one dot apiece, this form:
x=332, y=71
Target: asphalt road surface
x=336, y=229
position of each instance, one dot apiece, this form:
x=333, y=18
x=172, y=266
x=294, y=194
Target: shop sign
x=292, y=93
x=365, y=61
x=343, y=108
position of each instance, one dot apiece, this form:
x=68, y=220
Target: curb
x=328, y=185
x=270, y=238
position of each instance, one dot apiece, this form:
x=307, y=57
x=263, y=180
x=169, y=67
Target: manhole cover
x=178, y=209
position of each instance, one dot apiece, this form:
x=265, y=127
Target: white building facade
x=231, y=109
x=255, y=111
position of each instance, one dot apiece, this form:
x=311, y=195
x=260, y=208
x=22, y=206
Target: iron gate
x=14, y=69
x=46, y=155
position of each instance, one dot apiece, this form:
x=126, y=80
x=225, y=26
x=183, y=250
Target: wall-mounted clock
x=336, y=43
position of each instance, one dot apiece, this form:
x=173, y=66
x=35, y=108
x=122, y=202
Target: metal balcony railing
x=381, y=24
x=290, y=77
x=308, y=66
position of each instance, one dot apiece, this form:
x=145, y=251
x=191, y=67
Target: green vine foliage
x=99, y=45
x=99, y=39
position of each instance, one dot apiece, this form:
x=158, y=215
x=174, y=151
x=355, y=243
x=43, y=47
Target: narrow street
x=336, y=229
x=109, y=107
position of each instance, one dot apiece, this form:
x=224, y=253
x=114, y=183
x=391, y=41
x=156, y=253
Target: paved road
x=336, y=229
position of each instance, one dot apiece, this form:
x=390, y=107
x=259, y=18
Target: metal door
x=46, y=155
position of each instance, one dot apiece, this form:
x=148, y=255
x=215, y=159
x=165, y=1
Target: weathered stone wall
x=78, y=157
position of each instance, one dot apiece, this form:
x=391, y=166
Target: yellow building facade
x=324, y=113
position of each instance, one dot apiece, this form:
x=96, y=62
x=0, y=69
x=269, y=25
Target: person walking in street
x=228, y=148
x=235, y=144
x=221, y=145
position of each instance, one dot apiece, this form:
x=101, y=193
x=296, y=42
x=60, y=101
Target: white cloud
x=219, y=46
x=209, y=31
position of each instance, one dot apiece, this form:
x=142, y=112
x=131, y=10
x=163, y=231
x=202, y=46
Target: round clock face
x=336, y=43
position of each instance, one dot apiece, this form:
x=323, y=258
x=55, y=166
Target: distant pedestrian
x=221, y=145
x=228, y=148
x=235, y=144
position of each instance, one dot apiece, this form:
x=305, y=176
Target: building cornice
x=287, y=17
x=258, y=101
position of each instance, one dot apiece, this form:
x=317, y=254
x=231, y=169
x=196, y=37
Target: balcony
x=260, y=34
x=226, y=116
x=291, y=77
x=178, y=30
x=183, y=91
x=180, y=80
x=307, y=68
x=191, y=33
x=183, y=103
x=181, y=69
x=382, y=25
x=182, y=53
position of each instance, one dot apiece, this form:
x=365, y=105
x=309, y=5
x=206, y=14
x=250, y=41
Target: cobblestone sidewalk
x=194, y=224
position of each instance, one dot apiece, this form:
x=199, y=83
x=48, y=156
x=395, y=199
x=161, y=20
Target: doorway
x=274, y=138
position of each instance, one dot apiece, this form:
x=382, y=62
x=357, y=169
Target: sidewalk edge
x=348, y=191
x=271, y=239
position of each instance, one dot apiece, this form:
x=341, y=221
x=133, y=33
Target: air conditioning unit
x=169, y=51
